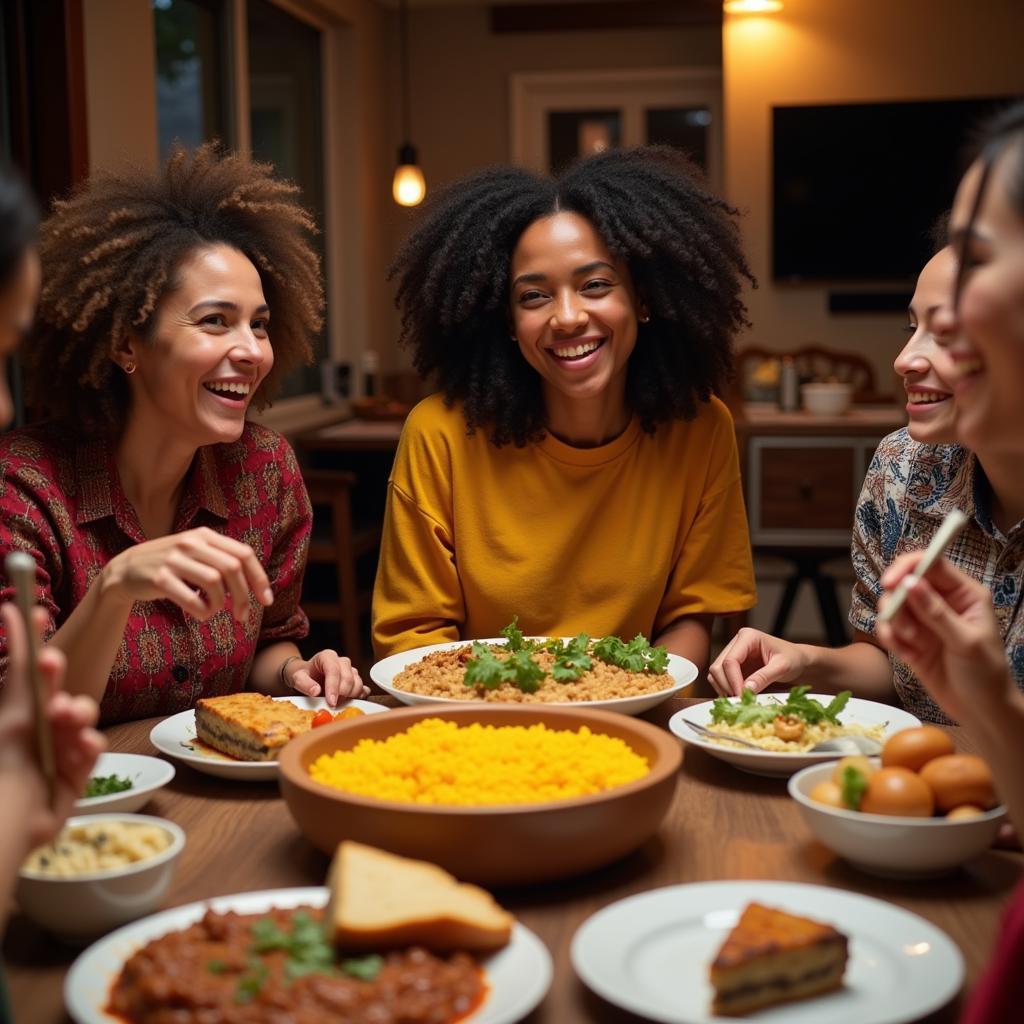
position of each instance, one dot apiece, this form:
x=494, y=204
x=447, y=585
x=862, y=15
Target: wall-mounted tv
x=857, y=186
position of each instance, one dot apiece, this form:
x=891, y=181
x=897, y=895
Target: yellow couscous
x=440, y=762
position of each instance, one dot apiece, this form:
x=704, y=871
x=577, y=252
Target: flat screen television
x=857, y=186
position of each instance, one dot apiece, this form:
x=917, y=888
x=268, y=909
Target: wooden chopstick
x=954, y=522
x=21, y=571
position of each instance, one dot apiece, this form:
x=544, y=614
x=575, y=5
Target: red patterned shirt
x=61, y=500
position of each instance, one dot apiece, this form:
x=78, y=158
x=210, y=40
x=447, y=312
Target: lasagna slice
x=249, y=726
x=774, y=957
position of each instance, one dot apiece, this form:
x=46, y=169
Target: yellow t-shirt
x=621, y=539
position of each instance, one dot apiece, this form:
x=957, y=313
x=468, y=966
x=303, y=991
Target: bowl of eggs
x=497, y=794
x=921, y=809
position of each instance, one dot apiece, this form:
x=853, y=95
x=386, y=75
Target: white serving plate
x=651, y=953
x=518, y=975
x=148, y=774
x=383, y=673
x=175, y=737
x=777, y=764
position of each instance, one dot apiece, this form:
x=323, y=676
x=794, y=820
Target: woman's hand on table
x=76, y=743
x=754, y=660
x=946, y=631
x=326, y=673
x=199, y=570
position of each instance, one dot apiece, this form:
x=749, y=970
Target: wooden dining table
x=723, y=825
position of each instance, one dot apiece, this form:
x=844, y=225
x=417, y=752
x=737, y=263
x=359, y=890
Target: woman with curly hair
x=170, y=533
x=576, y=468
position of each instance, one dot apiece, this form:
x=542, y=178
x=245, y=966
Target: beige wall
x=120, y=83
x=460, y=73
x=836, y=51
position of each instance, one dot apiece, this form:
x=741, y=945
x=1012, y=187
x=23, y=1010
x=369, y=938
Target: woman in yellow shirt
x=575, y=469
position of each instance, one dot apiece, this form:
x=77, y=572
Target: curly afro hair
x=110, y=253
x=653, y=211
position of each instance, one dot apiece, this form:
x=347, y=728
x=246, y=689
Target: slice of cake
x=249, y=726
x=381, y=901
x=773, y=957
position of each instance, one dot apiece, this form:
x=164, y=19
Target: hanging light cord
x=403, y=49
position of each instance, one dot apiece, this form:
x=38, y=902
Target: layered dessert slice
x=249, y=726
x=771, y=957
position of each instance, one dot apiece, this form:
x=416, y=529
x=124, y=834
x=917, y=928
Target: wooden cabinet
x=803, y=474
x=803, y=491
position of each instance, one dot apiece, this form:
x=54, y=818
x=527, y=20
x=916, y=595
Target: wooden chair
x=336, y=542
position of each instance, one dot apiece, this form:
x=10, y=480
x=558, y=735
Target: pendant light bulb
x=408, y=187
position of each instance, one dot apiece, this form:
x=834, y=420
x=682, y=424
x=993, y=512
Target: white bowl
x=147, y=774
x=85, y=906
x=827, y=399
x=891, y=846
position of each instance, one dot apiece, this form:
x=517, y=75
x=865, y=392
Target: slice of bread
x=381, y=901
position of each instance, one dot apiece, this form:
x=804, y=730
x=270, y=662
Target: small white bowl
x=826, y=399
x=891, y=846
x=148, y=774
x=85, y=906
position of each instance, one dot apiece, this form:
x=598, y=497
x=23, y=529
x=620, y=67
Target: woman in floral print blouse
x=170, y=533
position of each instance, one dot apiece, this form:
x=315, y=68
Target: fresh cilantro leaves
x=487, y=669
x=636, y=656
x=366, y=968
x=853, y=786
x=797, y=705
x=515, y=639
x=307, y=951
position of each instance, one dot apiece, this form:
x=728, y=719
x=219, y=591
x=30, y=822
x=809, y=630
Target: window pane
x=573, y=133
x=190, y=58
x=287, y=122
x=686, y=128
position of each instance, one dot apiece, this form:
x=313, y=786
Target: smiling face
x=17, y=307
x=574, y=312
x=208, y=352
x=989, y=356
x=924, y=364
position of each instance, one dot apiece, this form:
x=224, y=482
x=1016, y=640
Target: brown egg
x=964, y=811
x=898, y=791
x=828, y=792
x=856, y=761
x=914, y=748
x=959, y=779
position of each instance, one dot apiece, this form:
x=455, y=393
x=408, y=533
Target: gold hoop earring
x=129, y=368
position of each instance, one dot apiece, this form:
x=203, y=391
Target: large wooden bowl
x=497, y=845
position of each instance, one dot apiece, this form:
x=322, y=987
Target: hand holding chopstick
x=21, y=571
x=951, y=526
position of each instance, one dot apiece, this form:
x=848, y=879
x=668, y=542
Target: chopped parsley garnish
x=489, y=669
x=797, y=705
x=306, y=949
x=104, y=785
x=853, y=786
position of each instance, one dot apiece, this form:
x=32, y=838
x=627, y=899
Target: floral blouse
x=909, y=489
x=61, y=500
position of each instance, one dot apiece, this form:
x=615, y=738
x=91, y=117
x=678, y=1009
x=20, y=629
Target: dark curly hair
x=111, y=251
x=652, y=210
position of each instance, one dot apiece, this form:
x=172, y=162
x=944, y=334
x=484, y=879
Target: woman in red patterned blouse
x=170, y=533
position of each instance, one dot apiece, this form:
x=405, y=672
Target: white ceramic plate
x=651, y=954
x=519, y=975
x=176, y=736
x=773, y=763
x=383, y=673
x=148, y=774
